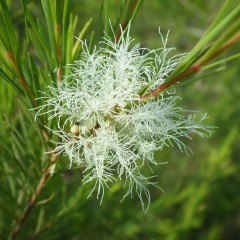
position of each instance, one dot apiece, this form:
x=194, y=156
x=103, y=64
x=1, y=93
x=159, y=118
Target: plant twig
x=21, y=79
x=192, y=69
x=58, y=52
x=26, y=88
x=125, y=22
x=46, y=174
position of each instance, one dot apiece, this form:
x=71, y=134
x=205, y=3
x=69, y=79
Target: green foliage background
x=201, y=198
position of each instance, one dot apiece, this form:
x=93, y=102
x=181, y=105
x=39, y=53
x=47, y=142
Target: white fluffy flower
x=104, y=125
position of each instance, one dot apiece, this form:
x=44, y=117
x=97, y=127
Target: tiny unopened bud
x=74, y=129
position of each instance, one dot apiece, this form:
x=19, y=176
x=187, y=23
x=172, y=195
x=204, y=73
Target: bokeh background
x=201, y=198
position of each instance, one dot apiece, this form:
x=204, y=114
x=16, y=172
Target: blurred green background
x=201, y=199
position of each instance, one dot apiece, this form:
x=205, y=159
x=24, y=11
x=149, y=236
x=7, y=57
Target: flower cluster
x=102, y=122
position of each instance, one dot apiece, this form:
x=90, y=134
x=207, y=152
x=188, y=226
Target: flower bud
x=74, y=129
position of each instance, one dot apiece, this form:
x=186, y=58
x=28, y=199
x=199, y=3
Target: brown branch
x=226, y=45
x=46, y=174
x=192, y=69
x=58, y=51
x=126, y=22
x=21, y=78
x=25, y=87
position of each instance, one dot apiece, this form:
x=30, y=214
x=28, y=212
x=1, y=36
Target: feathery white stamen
x=103, y=124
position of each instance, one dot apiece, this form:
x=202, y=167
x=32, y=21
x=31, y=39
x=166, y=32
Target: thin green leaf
x=200, y=75
x=11, y=82
x=51, y=21
x=4, y=62
x=222, y=61
x=15, y=159
x=34, y=75
x=77, y=46
x=40, y=220
x=64, y=35
x=38, y=37
x=106, y=16
x=204, y=42
x=221, y=40
x=11, y=37
x=227, y=6
x=68, y=46
x=90, y=45
x=136, y=9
